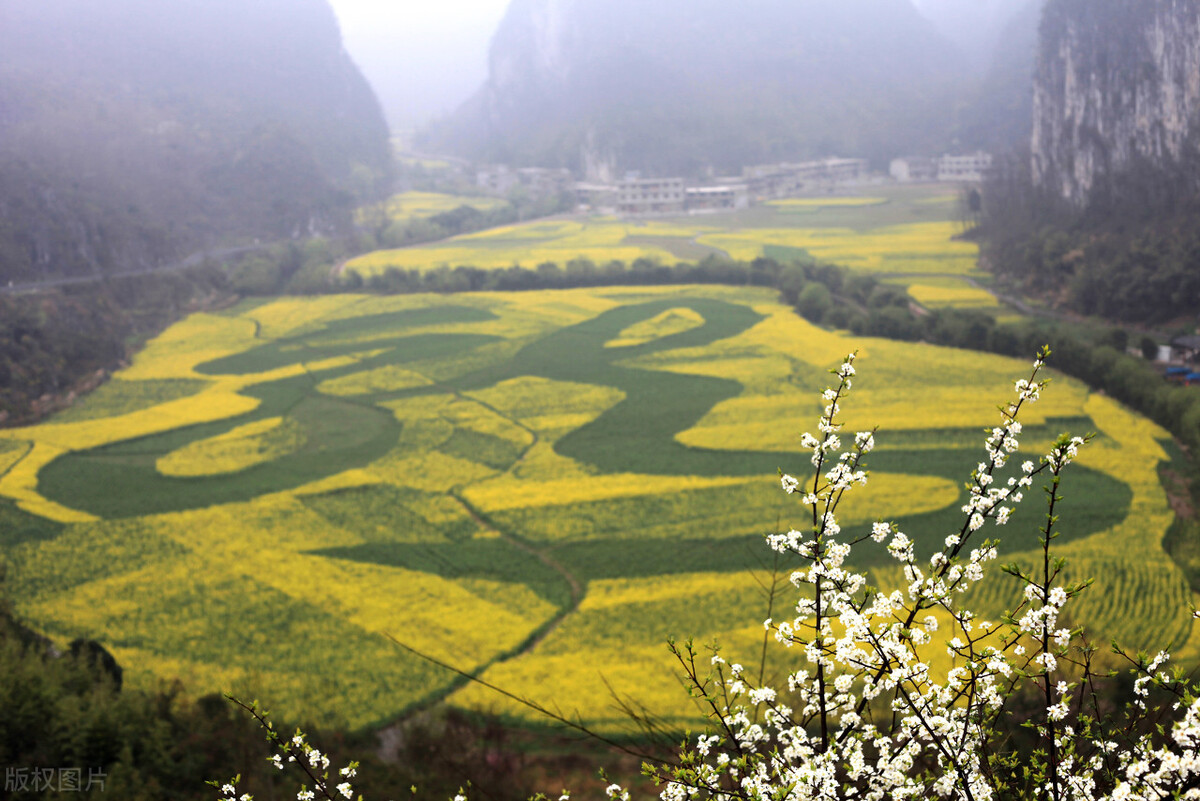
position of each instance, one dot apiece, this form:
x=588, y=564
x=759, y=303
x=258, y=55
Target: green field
x=540, y=487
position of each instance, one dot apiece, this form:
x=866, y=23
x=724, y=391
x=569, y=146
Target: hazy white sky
x=424, y=57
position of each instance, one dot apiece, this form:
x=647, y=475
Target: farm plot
x=831, y=202
x=539, y=487
x=942, y=292
x=923, y=248
x=417, y=205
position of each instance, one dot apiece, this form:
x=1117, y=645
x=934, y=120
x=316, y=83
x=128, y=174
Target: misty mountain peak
x=681, y=85
x=133, y=129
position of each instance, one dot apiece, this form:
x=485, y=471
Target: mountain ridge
x=692, y=86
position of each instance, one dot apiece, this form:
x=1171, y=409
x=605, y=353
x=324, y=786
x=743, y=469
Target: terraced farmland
x=540, y=487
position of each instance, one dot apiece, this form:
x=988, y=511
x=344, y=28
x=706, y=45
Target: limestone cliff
x=1117, y=87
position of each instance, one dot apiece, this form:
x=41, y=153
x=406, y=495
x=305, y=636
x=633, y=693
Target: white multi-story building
x=912, y=169
x=969, y=168
x=642, y=196
x=597, y=197
x=721, y=197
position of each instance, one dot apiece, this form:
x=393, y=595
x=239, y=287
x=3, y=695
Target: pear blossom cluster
x=297, y=751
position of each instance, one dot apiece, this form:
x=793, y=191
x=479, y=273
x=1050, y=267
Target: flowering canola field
x=537, y=487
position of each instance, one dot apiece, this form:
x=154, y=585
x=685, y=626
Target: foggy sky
x=423, y=57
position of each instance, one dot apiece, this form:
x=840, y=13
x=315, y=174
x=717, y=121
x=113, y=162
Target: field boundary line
x=572, y=581
x=481, y=519
x=21, y=458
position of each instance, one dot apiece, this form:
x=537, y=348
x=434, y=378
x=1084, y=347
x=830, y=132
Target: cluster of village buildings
x=635, y=196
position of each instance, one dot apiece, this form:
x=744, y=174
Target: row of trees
x=813, y=284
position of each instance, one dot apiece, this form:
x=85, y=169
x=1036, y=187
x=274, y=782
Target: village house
x=500, y=179
x=969, y=168
x=721, y=197
x=637, y=196
x=768, y=181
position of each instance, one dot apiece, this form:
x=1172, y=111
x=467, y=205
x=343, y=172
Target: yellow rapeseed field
x=672, y=321
x=190, y=342
x=616, y=642
x=244, y=446
x=473, y=465
x=962, y=296
x=528, y=245
x=505, y=493
x=20, y=485
x=381, y=379
x=11, y=452
x=924, y=248
x=905, y=234
x=548, y=406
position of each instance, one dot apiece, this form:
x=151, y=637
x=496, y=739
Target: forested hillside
x=132, y=131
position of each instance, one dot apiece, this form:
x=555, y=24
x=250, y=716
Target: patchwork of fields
x=904, y=234
x=540, y=487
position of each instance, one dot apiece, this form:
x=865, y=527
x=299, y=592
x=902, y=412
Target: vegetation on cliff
x=135, y=132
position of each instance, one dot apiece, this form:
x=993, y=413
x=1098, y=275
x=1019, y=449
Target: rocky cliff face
x=1117, y=87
